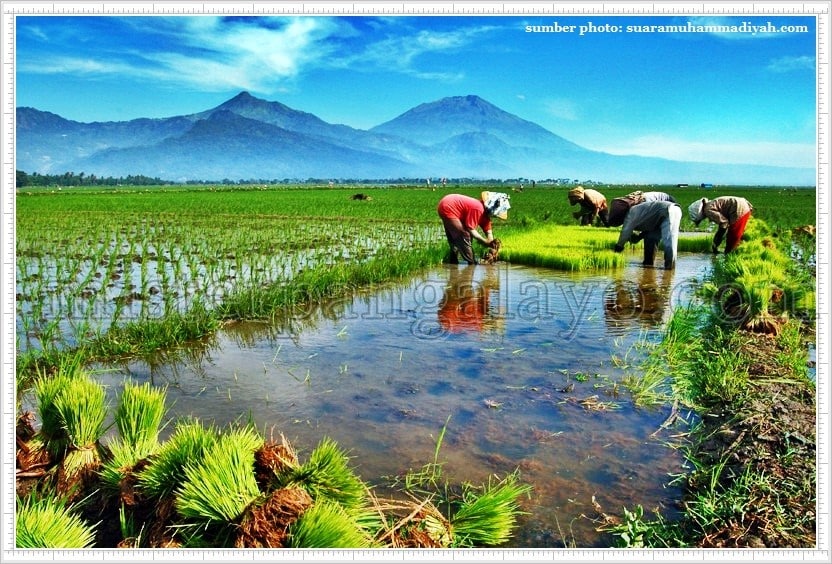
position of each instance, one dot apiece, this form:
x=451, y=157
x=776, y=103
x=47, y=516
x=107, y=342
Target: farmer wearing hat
x=593, y=204
x=658, y=222
x=463, y=216
x=730, y=213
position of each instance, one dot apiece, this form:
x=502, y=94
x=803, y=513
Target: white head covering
x=496, y=203
x=695, y=210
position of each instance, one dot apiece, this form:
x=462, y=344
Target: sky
x=745, y=94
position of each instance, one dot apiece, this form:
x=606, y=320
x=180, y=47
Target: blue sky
x=730, y=96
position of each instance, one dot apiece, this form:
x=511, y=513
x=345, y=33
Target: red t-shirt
x=469, y=211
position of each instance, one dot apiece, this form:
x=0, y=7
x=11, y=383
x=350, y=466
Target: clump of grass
x=47, y=522
x=488, y=517
x=327, y=475
x=138, y=418
x=327, y=525
x=189, y=442
x=82, y=408
x=219, y=487
x=139, y=415
x=51, y=441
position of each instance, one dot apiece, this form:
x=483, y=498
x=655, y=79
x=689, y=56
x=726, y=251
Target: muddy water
x=520, y=364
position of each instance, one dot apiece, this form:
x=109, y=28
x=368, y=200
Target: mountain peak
x=436, y=122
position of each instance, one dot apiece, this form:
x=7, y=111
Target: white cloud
x=561, y=108
x=747, y=152
x=399, y=53
x=261, y=55
x=788, y=64
x=209, y=53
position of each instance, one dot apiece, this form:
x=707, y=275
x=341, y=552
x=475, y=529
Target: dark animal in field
x=361, y=196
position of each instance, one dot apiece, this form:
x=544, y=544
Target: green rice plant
x=120, y=464
x=52, y=435
x=571, y=248
x=131, y=538
x=166, y=471
x=47, y=522
x=488, y=517
x=139, y=416
x=327, y=525
x=219, y=487
x=82, y=408
x=326, y=475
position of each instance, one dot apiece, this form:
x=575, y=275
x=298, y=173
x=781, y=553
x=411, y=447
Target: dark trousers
x=459, y=240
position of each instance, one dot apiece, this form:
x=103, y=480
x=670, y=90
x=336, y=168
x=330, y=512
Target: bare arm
x=475, y=234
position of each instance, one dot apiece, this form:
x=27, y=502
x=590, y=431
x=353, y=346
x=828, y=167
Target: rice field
x=80, y=274
x=120, y=273
x=91, y=260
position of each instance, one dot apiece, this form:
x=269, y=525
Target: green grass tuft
x=327, y=525
x=489, y=517
x=327, y=475
x=189, y=442
x=48, y=523
x=219, y=487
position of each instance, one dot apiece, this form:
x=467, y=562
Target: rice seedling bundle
x=328, y=476
x=47, y=522
x=488, y=518
x=139, y=415
x=188, y=443
x=138, y=418
x=327, y=525
x=82, y=407
x=221, y=485
x=51, y=440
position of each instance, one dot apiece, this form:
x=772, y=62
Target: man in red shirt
x=463, y=216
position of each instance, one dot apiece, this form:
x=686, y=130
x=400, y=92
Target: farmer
x=730, y=213
x=593, y=204
x=620, y=206
x=657, y=222
x=463, y=215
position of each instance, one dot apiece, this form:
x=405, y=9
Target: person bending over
x=463, y=217
x=657, y=223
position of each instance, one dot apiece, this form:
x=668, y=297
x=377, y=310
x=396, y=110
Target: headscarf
x=575, y=195
x=496, y=203
x=696, y=210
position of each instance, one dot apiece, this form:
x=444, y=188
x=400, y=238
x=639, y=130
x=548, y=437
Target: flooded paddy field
x=520, y=366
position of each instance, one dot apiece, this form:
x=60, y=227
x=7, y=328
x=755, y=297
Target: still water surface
x=520, y=364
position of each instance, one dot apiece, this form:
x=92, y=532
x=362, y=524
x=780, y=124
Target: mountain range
x=250, y=138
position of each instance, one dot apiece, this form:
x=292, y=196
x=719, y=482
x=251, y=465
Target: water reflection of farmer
x=466, y=304
x=463, y=217
x=644, y=301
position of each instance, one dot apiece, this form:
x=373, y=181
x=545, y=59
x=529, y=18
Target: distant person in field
x=592, y=203
x=657, y=222
x=730, y=213
x=620, y=206
x=464, y=216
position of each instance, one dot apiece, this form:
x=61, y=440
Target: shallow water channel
x=522, y=365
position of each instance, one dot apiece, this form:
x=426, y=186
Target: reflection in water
x=507, y=357
x=467, y=305
x=643, y=299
